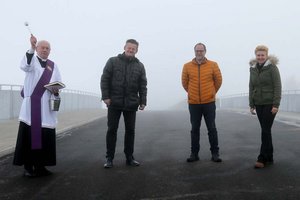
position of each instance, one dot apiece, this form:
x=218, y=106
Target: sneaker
x=193, y=158
x=108, y=164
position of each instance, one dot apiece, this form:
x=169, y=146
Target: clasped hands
x=108, y=102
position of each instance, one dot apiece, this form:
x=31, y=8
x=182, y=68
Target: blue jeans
x=113, y=118
x=266, y=119
x=208, y=111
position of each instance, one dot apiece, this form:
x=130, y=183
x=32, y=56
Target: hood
x=271, y=60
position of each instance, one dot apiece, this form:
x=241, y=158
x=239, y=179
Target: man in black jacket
x=124, y=90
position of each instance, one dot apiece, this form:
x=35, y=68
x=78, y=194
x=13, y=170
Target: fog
x=84, y=34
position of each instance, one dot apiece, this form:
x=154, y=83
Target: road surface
x=162, y=146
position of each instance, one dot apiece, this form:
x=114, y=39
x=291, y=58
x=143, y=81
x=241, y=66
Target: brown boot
x=259, y=165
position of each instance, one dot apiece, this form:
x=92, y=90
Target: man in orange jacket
x=202, y=79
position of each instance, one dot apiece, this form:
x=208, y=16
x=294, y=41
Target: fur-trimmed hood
x=271, y=60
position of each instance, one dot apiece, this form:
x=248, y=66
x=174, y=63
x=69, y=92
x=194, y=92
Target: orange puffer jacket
x=201, y=82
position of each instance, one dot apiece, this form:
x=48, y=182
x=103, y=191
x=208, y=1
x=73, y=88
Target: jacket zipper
x=199, y=83
x=125, y=87
x=259, y=76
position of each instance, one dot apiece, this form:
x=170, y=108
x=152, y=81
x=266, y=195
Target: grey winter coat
x=124, y=82
x=264, y=85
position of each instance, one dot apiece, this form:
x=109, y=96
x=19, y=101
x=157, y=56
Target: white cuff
x=30, y=51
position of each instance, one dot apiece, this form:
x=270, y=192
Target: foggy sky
x=84, y=34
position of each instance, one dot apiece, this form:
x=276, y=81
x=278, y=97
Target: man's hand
x=252, y=110
x=274, y=110
x=55, y=90
x=107, y=101
x=142, y=107
x=33, y=42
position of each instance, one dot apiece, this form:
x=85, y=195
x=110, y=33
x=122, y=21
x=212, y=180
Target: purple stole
x=36, y=118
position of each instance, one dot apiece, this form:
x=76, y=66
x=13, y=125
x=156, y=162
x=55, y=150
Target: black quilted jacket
x=124, y=82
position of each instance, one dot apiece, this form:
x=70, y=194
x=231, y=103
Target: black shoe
x=42, y=171
x=216, y=158
x=131, y=162
x=29, y=173
x=192, y=158
x=109, y=163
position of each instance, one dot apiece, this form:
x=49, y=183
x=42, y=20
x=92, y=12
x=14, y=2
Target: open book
x=54, y=87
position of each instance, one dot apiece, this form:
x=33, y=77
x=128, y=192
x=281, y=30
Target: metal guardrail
x=80, y=92
x=289, y=101
x=246, y=94
x=10, y=87
x=11, y=100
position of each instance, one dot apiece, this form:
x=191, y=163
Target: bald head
x=43, y=49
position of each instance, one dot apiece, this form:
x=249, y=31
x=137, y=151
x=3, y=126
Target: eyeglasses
x=199, y=51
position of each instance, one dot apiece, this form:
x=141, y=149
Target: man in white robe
x=36, y=142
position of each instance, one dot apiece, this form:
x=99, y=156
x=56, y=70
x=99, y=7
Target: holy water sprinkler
x=27, y=25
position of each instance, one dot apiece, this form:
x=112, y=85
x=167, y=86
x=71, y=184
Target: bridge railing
x=11, y=100
x=289, y=101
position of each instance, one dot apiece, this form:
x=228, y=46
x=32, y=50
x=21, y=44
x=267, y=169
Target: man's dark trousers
x=208, y=111
x=113, y=118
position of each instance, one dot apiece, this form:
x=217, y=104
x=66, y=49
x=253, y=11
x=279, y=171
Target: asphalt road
x=162, y=146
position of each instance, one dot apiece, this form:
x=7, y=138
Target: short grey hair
x=200, y=44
